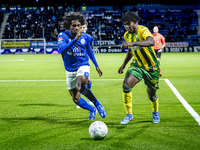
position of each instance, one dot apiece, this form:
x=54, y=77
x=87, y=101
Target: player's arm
x=145, y=43
x=63, y=44
x=163, y=42
x=93, y=59
x=128, y=57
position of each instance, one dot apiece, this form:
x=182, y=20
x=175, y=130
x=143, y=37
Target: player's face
x=84, y=27
x=130, y=26
x=75, y=27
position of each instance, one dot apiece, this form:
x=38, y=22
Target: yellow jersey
x=144, y=57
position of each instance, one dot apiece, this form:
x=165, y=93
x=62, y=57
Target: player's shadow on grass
x=45, y=105
x=117, y=125
x=50, y=120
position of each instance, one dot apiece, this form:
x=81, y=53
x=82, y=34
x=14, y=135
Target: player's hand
x=160, y=51
x=99, y=71
x=120, y=70
x=126, y=44
x=78, y=35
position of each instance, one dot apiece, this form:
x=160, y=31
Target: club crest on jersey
x=83, y=41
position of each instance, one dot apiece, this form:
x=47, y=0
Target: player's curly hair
x=130, y=16
x=69, y=16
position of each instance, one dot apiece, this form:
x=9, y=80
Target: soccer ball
x=98, y=130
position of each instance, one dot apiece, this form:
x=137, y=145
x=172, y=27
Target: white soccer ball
x=98, y=130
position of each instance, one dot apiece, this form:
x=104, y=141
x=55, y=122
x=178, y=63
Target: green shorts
x=151, y=79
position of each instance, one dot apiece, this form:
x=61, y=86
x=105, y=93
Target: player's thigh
x=82, y=76
x=151, y=79
x=81, y=82
x=130, y=80
x=133, y=76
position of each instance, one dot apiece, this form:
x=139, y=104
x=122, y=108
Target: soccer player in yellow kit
x=144, y=65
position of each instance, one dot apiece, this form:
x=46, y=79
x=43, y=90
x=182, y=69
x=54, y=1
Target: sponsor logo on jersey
x=60, y=39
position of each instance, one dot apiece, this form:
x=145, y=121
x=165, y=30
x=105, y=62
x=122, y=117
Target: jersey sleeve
x=63, y=43
x=145, y=32
x=90, y=52
x=162, y=40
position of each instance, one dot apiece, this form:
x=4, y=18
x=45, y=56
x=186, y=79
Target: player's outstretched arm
x=91, y=55
x=126, y=60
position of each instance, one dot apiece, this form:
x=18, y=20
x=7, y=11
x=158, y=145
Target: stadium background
x=179, y=23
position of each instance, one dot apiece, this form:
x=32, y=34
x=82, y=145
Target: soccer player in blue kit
x=89, y=82
x=74, y=46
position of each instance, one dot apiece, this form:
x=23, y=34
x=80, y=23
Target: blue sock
x=83, y=104
x=88, y=93
x=89, y=85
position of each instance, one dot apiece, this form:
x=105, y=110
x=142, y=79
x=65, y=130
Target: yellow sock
x=127, y=99
x=155, y=105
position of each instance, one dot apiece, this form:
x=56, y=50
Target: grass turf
x=40, y=115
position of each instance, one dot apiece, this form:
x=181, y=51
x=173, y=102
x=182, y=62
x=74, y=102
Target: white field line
x=12, y=60
x=60, y=80
x=32, y=80
x=184, y=102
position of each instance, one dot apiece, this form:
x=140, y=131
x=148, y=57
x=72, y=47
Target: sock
x=88, y=93
x=83, y=104
x=154, y=106
x=127, y=99
x=89, y=85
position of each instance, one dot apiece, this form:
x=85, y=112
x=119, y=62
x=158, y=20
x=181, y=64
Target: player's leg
x=89, y=85
x=151, y=79
x=154, y=104
x=82, y=103
x=88, y=93
x=81, y=81
x=75, y=94
x=129, y=82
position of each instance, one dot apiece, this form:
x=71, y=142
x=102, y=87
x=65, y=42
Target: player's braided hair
x=130, y=16
x=68, y=17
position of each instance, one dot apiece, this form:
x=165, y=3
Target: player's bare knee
x=126, y=85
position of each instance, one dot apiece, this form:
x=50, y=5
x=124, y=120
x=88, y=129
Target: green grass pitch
x=37, y=112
